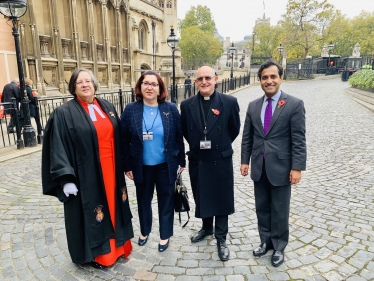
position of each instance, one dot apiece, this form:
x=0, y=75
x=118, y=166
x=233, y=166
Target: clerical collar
x=207, y=98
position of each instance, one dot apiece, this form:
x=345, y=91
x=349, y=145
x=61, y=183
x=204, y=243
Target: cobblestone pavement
x=331, y=223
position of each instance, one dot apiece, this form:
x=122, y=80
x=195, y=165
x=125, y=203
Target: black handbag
x=181, y=203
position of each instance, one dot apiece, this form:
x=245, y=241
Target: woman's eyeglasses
x=147, y=84
x=207, y=78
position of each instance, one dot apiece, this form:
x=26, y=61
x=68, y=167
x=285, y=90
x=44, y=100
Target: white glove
x=70, y=188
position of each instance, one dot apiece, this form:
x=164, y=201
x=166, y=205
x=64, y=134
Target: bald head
x=206, y=68
x=206, y=80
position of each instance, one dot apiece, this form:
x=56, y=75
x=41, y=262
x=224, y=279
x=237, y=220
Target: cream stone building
x=116, y=39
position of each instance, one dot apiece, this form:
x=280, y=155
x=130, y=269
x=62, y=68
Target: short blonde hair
x=28, y=82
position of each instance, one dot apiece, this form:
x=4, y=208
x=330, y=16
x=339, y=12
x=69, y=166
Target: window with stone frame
x=142, y=36
x=161, y=3
x=169, y=4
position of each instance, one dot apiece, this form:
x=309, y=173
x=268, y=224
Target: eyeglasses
x=81, y=83
x=147, y=84
x=207, y=78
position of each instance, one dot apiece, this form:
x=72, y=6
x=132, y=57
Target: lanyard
x=205, y=119
x=145, y=125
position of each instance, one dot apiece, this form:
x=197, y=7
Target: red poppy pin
x=281, y=103
x=215, y=111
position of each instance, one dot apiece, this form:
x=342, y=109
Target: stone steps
x=365, y=98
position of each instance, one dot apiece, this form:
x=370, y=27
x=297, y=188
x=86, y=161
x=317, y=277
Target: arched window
x=168, y=4
x=161, y=3
x=142, y=36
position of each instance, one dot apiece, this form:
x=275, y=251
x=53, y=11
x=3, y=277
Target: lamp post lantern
x=153, y=24
x=14, y=9
x=232, y=51
x=173, y=43
x=330, y=47
x=280, y=49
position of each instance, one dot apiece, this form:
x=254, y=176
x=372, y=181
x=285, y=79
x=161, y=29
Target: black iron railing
x=119, y=98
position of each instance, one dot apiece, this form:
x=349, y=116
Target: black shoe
x=97, y=265
x=277, y=258
x=142, y=242
x=223, y=250
x=162, y=248
x=11, y=131
x=262, y=249
x=200, y=235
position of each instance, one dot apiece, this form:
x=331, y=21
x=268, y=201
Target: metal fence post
x=37, y=121
x=120, y=98
x=20, y=143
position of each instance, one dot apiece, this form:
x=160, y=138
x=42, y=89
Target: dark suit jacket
x=10, y=91
x=285, y=143
x=132, y=139
x=211, y=170
x=187, y=83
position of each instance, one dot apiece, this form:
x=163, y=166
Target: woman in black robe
x=73, y=171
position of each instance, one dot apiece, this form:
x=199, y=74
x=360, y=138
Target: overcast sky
x=236, y=18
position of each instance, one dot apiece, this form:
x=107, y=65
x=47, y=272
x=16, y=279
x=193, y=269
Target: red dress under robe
x=105, y=135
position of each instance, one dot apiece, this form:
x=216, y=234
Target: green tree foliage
x=266, y=41
x=197, y=35
x=363, y=32
x=199, y=16
x=304, y=26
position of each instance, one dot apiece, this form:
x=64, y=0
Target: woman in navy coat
x=153, y=151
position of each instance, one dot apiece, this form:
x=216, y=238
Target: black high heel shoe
x=162, y=248
x=142, y=242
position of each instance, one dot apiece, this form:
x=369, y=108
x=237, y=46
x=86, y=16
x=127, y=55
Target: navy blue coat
x=132, y=139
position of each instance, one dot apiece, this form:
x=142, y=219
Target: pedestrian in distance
x=187, y=87
x=11, y=90
x=31, y=99
x=211, y=122
x=274, y=142
x=82, y=166
x=153, y=145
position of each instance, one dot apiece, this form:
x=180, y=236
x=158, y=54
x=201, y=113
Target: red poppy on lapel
x=215, y=111
x=281, y=103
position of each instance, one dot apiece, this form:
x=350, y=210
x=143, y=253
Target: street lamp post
x=14, y=9
x=153, y=24
x=330, y=47
x=252, y=56
x=232, y=51
x=173, y=43
x=280, y=49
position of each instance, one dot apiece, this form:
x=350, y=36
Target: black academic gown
x=70, y=151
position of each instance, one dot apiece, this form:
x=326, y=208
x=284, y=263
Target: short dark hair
x=163, y=90
x=74, y=77
x=267, y=64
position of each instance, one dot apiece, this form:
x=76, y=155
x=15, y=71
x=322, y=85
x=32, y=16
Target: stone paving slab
x=331, y=220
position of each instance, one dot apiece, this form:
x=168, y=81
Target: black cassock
x=71, y=153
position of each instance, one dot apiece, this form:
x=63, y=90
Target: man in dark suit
x=187, y=87
x=210, y=123
x=10, y=91
x=274, y=141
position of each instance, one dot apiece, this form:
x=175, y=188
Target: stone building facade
x=116, y=39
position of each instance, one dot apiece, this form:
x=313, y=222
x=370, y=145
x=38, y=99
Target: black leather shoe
x=142, y=242
x=162, y=248
x=97, y=265
x=262, y=249
x=223, y=250
x=277, y=258
x=200, y=235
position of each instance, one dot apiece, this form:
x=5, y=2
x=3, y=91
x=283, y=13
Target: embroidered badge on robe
x=111, y=113
x=124, y=194
x=99, y=213
x=92, y=108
